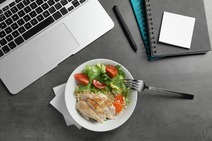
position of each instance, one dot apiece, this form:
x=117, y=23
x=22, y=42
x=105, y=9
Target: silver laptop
x=37, y=35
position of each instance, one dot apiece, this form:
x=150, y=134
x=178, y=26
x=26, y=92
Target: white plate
x=94, y=126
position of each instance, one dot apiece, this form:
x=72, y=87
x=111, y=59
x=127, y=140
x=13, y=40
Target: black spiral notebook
x=193, y=8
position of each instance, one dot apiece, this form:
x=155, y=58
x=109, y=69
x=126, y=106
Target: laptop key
x=39, y=2
x=38, y=10
x=8, y=13
x=38, y=28
x=5, y=8
x=51, y=2
x=9, y=38
x=2, y=17
x=63, y=11
x=64, y=2
x=17, y=1
x=3, y=25
x=26, y=18
x=45, y=6
x=8, y=30
x=26, y=2
x=46, y=14
x=33, y=5
x=12, y=45
x=70, y=8
x=21, y=13
x=8, y=21
x=27, y=9
x=52, y=10
x=32, y=14
x=20, y=5
x=19, y=40
x=2, y=34
x=57, y=15
x=15, y=34
x=1, y=53
x=15, y=17
x=81, y=1
x=75, y=3
x=34, y=22
x=58, y=6
x=27, y=26
x=22, y=29
x=6, y=49
x=40, y=18
x=3, y=42
x=14, y=26
x=12, y=4
x=14, y=9
x=20, y=22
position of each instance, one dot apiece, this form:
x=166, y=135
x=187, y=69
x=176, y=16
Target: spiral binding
x=150, y=28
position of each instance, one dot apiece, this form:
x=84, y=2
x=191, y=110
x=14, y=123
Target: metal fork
x=139, y=85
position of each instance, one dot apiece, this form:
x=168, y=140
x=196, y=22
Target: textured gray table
x=29, y=116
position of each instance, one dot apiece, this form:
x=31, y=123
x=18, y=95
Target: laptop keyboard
x=22, y=19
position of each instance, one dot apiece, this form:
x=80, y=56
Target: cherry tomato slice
x=98, y=84
x=119, y=98
x=82, y=78
x=111, y=70
x=118, y=107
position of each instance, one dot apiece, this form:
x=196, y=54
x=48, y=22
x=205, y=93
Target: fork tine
x=135, y=87
x=130, y=81
x=133, y=84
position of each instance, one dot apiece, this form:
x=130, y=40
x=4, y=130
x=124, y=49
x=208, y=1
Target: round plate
x=95, y=126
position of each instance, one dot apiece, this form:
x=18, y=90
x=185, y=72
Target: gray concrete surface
x=29, y=116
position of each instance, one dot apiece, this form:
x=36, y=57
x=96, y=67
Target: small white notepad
x=177, y=30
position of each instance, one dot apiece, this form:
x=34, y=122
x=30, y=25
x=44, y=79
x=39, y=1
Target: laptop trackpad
x=55, y=46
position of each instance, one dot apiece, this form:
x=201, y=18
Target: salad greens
x=113, y=85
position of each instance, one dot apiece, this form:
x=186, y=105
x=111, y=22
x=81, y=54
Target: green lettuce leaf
x=92, y=71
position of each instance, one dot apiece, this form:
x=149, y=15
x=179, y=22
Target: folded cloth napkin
x=58, y=102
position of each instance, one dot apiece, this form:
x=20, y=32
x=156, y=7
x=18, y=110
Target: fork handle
x=185, y=95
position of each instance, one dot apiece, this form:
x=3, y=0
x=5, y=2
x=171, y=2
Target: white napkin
x=58, y=102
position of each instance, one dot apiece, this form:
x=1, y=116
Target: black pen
x=125, y=28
